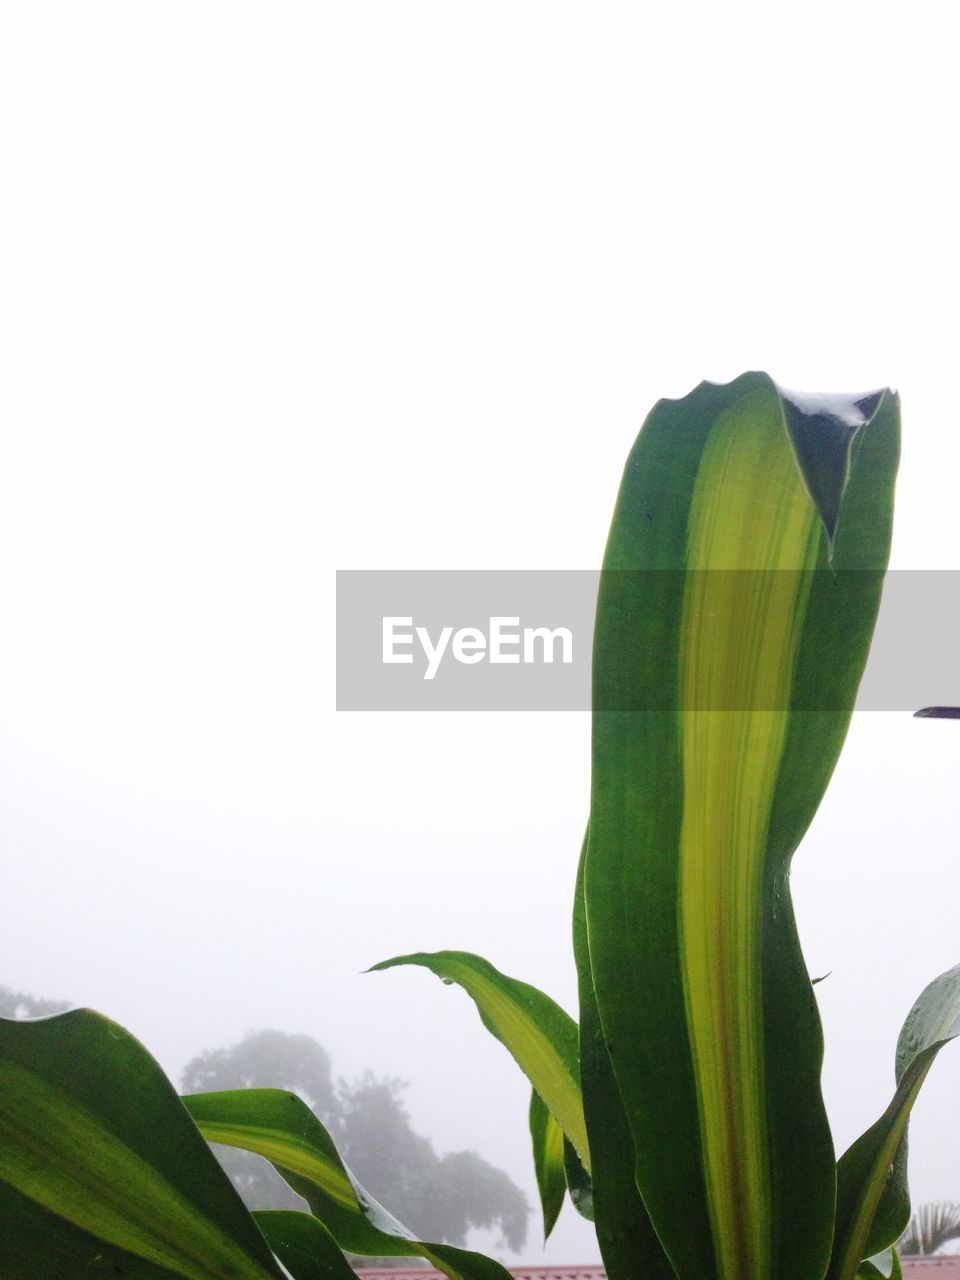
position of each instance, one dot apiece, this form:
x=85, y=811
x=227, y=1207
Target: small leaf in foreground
x=547, y=1138
x=304, y=1245
x=281, y=1127
x=873, y=1202
x=540, y=1035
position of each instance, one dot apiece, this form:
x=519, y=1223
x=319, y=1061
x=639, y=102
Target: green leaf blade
x=547, y=1139
x=304, y=1245
x=873, y=1202
x=541, y=1037
x=92, y=1131
x=734, y=617
x=280, y=1127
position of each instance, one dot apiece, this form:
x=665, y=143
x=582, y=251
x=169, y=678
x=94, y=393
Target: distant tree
x=492, y=1199
x=438, y=1197
x=17, y=1004
x=266, y=1060
x=931, y=1227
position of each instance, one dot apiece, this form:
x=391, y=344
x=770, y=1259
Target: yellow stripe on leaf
x=753, y=538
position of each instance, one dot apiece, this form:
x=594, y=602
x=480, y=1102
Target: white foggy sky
x=292, y=288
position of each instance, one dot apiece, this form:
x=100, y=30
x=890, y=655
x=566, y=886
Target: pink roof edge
x=935, y=1268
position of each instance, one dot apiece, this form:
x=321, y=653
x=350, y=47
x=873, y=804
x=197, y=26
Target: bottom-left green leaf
x=102, y=1171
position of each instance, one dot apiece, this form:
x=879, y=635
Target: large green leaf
x=547, y=1138
x=540, y=1035
x=102, y=1169
x=734, y=616
x=282, y=1128
x=873, y=1202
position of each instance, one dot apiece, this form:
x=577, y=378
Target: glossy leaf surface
x=738, y=598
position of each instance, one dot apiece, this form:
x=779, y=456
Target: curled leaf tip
x=823, y=428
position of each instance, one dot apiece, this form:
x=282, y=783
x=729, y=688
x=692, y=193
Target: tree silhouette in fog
x=438, y=1197
x=17, y=1004
x=268, y=1059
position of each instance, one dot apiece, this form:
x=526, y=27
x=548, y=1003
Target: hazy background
x=289, y=288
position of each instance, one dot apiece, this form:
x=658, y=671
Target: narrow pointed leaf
x=93, y=1133
x=627, y=1240
x=304, y=1245
x=558, y=1167
x=547, y=1138
x=540, y=1035
x=739, y=593
x=281, y=1127
x=873, y=1202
